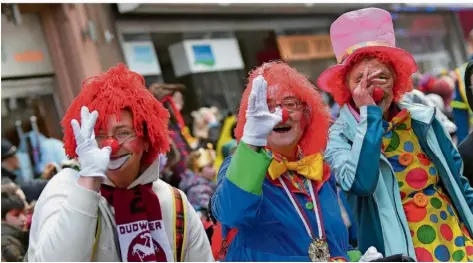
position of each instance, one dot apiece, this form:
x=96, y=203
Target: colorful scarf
x=140, y=225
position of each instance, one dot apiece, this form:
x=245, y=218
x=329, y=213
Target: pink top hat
x=364, y=30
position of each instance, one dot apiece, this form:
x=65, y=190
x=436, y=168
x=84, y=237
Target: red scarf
x=140, y=225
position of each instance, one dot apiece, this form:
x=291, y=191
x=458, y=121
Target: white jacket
x=65, y=220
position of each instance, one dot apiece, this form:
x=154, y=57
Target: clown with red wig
x=115, y=208
x=276, y=192
x=403, y=175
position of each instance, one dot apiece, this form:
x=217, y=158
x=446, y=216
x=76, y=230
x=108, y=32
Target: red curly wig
x=115, y=90
x=282, y=77
x=402, y=82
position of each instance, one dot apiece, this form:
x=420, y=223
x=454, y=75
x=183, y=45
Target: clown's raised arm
x=351, y=158
x=238, y=201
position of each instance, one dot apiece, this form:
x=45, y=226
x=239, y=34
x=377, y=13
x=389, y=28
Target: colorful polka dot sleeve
x=436, y=230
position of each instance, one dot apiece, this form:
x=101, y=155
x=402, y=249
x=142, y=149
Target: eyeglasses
x=122, y=136
x=290, y=104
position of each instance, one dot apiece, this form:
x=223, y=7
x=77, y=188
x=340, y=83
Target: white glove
x=259, y=121
x=370, y=255
x=93, y=161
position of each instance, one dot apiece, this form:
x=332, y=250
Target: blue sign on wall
x=143, y=54
x=203, y=55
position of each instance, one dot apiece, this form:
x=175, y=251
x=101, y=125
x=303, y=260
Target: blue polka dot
x=432, y=171
x=441, y=253
x=388, y=135
x=409, y=147
x=443, y=215
x=460, y=241
x=397, y=167
x=450, y=210
x=429, y=190
x=434, y=218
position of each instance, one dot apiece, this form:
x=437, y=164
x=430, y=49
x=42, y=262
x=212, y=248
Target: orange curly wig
x=282, y=77
x=402, y=81
x=115, y=90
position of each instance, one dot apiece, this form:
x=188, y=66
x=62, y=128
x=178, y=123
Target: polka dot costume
x=436, y=230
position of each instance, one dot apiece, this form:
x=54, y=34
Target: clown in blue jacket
x=275, y=190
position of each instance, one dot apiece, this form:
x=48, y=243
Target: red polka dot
x=414, y=213
x=423, y=255
x=412, y=233
x=423, y=159
x=446, y=232
x=416, y=178
x=469, y=250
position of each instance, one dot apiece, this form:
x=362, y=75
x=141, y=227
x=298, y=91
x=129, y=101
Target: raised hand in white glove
x=93, y=161
x=259, y=121
x=370, y=255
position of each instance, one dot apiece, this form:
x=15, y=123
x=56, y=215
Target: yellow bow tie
x=310, y=167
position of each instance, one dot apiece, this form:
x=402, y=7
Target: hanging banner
x=141, y=57
x=207, y=55
x=305, y=47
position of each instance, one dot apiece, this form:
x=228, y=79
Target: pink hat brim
x=402, y=56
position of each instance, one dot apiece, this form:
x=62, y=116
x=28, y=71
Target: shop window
x=21, y=109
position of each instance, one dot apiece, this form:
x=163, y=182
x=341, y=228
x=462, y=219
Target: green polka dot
x=400, y=184
x=436, y=203
x=394, y=142
x=402, y=126
x=426, y=234
x=458, y=255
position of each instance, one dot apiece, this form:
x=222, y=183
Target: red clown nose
x=285, y=115
x=378, y=94
x=112, y=143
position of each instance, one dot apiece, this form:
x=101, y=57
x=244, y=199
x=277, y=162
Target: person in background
x=14, y=240
x=462, y=113
x=10, y=168
x=10, y=164
x=226, y=135
x=198, y=183
x=170, y=95
x=396, y=161
x=466, y=147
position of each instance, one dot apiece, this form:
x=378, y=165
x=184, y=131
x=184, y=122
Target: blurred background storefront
x=296, y=33
x=48, y=49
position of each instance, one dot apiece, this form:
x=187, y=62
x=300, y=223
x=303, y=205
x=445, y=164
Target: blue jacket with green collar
x=354, y=154
x=269, y=228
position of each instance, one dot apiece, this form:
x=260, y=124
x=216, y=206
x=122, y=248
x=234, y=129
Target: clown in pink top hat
x=362, y=34
x=397, y=162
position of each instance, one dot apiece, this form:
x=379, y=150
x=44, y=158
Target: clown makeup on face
x=383, y=79
x=285, y=136
x=16, y=218
x=125, y=163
